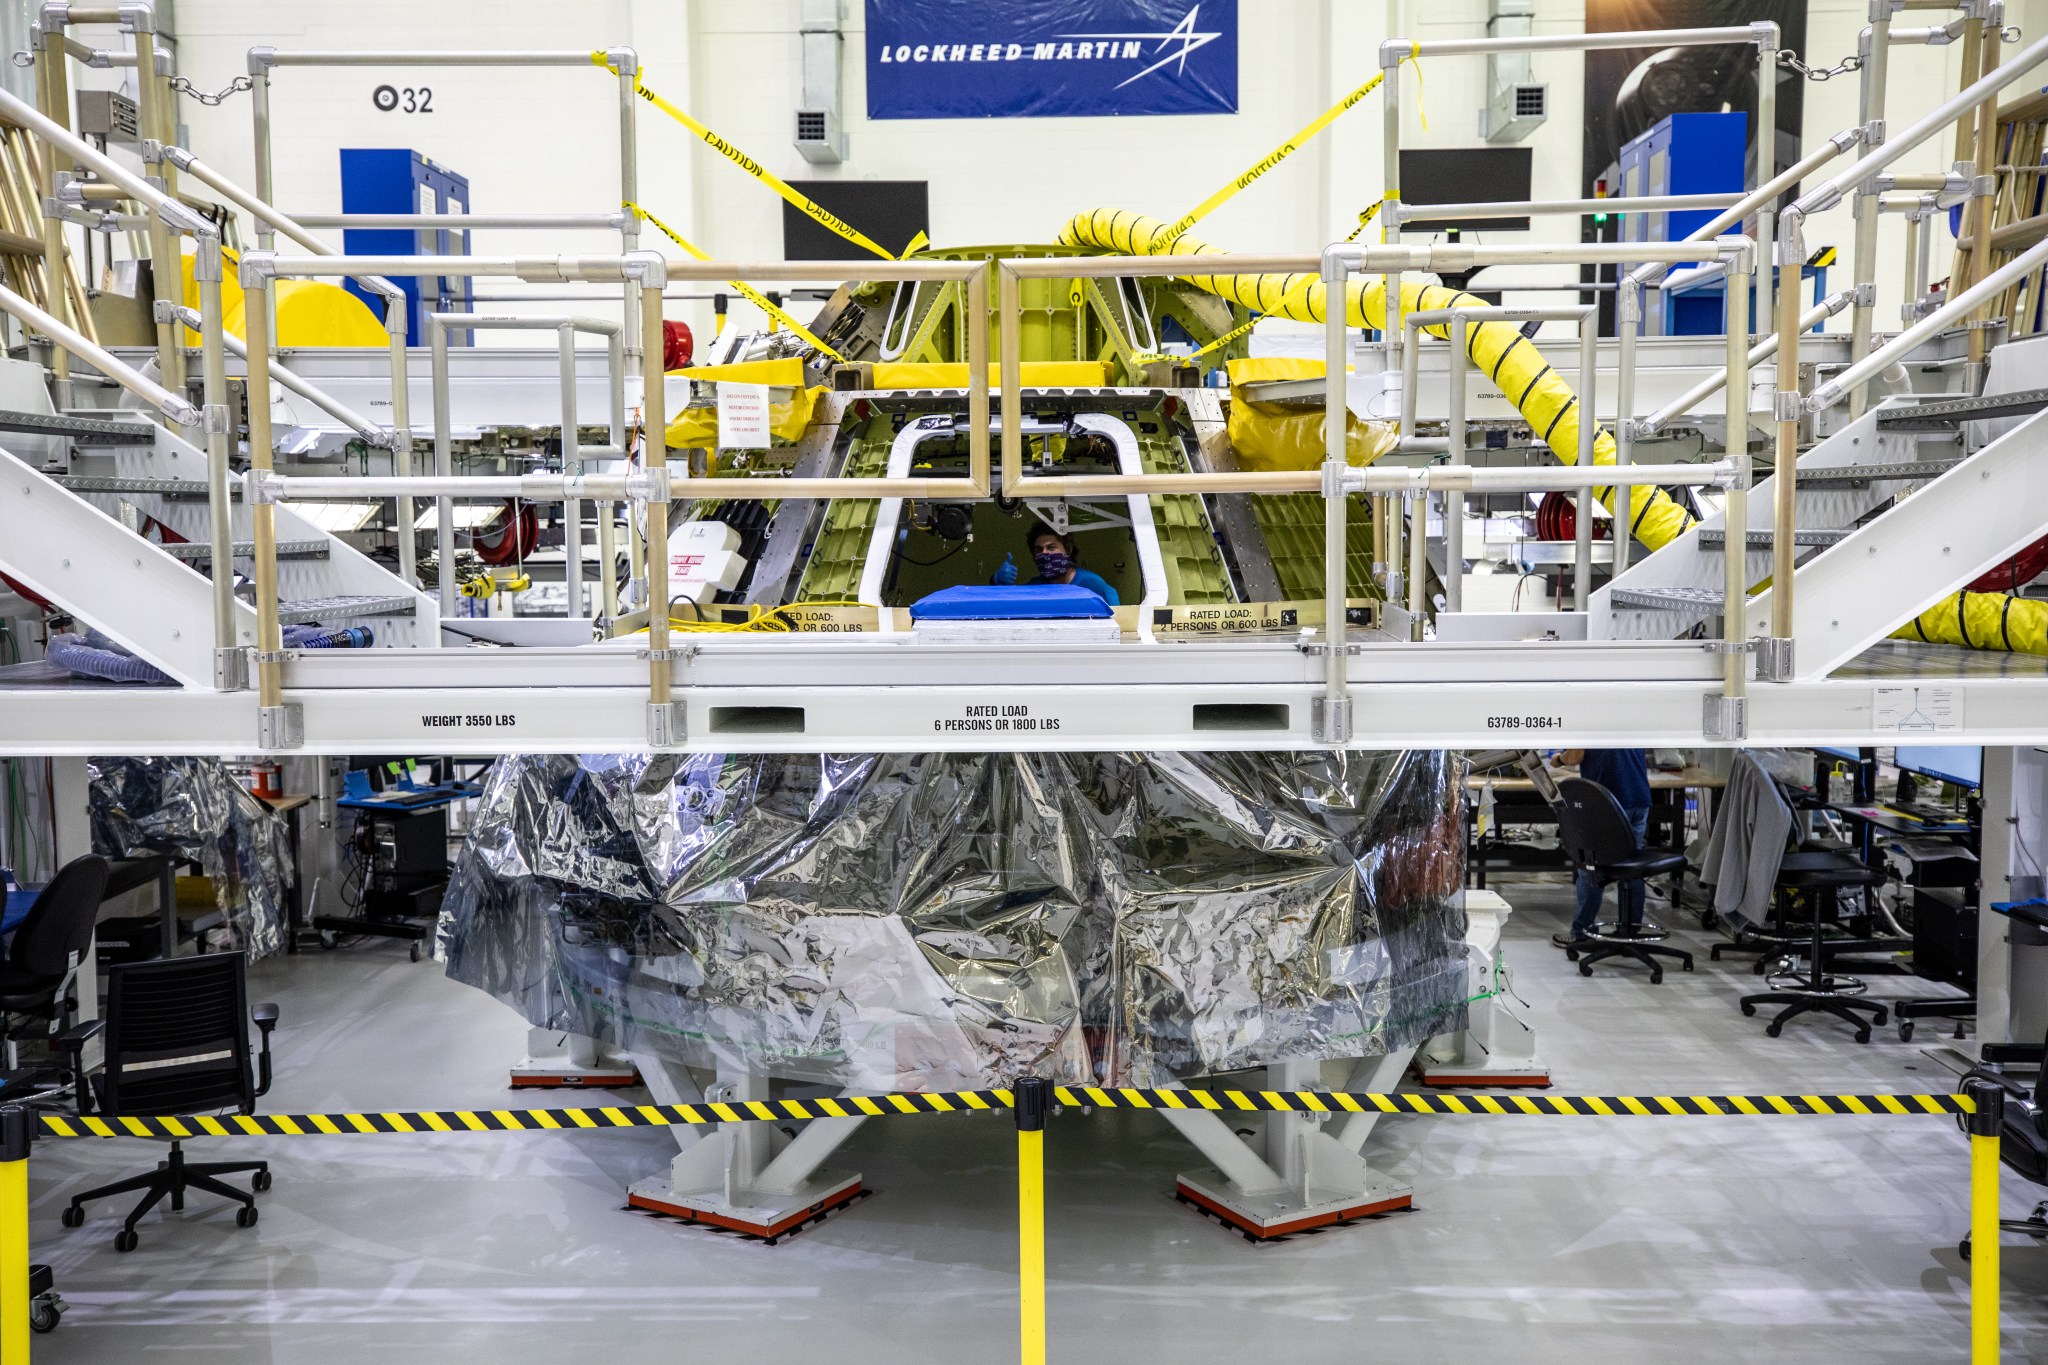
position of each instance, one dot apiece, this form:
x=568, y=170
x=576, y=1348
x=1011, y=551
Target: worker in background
x=1625, y=773
x=1059, y=561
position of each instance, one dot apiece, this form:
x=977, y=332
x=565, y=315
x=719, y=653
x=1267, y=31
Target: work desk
x=1516, y=802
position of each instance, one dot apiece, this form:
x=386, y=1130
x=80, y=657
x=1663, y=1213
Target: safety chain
x=234, y=87
x=2010, y=33
x=1788, y=58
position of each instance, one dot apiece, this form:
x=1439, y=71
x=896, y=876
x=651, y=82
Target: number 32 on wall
x=411, y=99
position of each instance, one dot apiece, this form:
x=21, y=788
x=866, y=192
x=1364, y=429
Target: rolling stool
x=1813, y=990
x=1597, y=839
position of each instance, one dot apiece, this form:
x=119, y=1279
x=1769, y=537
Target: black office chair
x=1811, y=988
x=2022, y=1142
x=42, y=962
x=177, y=1042
x=1596, y=837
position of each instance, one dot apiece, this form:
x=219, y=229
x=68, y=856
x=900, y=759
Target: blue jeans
x=1630, y=894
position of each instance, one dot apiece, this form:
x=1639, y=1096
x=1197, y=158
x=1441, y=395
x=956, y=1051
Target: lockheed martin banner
x=1050, y=58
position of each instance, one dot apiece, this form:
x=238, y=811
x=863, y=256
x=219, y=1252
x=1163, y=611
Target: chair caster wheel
x=1585, y=969
x=72, y=1217
x=43, y=1315
x=126, y=1240
x=1963, y=1248
x=1864, y=1036
x=1656, y=978
x=327, y=941
x=245, y=1216
x=260, y=1181
x=1686, y=965
x=1773, y=1028
x=415, y=952
x=1749, y=1009
x=1571, y=955
x=1905, y=1030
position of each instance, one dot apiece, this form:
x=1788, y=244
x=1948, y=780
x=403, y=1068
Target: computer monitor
x=1834, y=751
x=1466, y=175
x=1961, y=764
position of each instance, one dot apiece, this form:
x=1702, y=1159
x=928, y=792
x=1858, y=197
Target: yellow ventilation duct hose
x=1982, y=620
x=1498, y=348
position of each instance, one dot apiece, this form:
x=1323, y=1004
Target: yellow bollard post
x=1987, y=1117
x=1033, y=1101
x=14, y=1140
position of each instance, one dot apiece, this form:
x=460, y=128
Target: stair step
x=1763, y=540
x=342, y=608
x=1863, y=475
x=89, y=431
x=1944, y=414
x=168, y=488
x=243, y=549
x=1667, y=599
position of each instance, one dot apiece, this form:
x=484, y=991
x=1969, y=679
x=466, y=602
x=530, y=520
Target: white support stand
x=1496, y=1046
x=753, y=1178
x=558, y=1061
x=1296, y=1175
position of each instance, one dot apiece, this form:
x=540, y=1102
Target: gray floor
x=1534, y=1239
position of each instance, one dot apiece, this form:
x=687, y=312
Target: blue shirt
x=1625, y=772
x=1096, y=584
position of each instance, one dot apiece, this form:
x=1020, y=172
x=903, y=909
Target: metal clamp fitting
x=179, y=411
x=1983, y=186
x=163, y=310
x=1725, y=718
x=257, y=268
x=262, y=486
x=151, y=150
x=1785, y=405
x=281, y=727
x=666, y=724
x=1764, y=33
x=623, y=60
x=276, y=656
x=1330, y=719
x=261, y=59
x=647, y=268
x=648, y=485
x=231, y=668
x=137, y=16
x=1864, y=295
x=218, y=421
x=665, y=656
x=1773, y=658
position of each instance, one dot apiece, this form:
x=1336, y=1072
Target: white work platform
x=797, y=694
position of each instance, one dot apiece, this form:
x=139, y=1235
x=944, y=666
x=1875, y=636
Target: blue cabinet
x=1683, y=154
x=399, y=180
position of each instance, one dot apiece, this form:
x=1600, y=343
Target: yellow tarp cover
x=697, y=428
x=1277, y=436
x=1036, y=374
x=309, y=312
x=788, y=373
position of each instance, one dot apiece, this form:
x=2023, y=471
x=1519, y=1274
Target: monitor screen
x=1466, y=175
x=1962, y=765
x=1835, y=751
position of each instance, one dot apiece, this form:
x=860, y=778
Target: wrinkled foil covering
x=930, y=921
x=193, y=807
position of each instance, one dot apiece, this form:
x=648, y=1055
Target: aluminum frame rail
x=623, y=62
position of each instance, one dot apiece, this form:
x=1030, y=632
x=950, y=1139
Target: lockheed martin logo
x=1183, y=33
x=1178, y=44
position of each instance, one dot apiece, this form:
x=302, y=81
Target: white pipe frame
x=565, y=327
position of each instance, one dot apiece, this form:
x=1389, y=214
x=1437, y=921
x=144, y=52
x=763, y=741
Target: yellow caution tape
x=825, y=218
x=1414, y=58
x=1271, y=159
x=747, y=291
x=985, y=1101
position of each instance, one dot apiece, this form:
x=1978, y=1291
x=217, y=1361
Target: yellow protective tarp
x=1498, y=348
x=1036, y=374
x=786, y=373
x=1982, y=620
x=309, y=312
x=697, y=428
x=1277, y=436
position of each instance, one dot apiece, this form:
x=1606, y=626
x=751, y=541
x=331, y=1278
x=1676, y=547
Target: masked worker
x=1059, y=561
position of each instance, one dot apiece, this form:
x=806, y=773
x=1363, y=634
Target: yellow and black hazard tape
x=991, y=1101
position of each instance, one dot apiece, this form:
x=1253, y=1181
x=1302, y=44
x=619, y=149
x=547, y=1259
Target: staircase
x=76, y=540
x=1895, y=512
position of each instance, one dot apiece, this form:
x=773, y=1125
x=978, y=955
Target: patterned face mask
x=1053, y=563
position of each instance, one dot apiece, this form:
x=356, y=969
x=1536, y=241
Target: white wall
x=547, y=139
